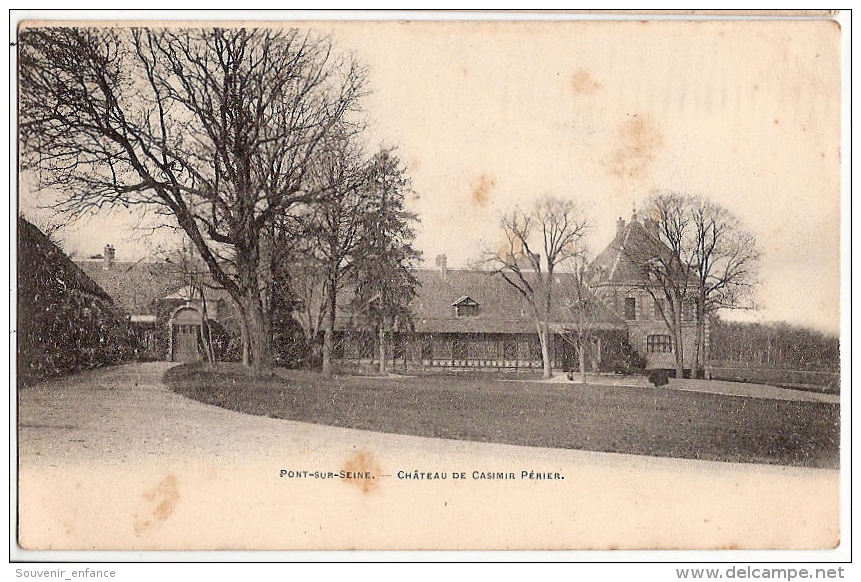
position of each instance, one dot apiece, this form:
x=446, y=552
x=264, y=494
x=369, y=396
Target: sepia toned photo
x=505, y=284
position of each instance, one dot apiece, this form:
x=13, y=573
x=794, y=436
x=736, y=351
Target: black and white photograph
x=478, y=283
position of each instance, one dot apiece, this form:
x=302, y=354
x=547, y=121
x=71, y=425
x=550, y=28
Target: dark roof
x=135, y=285
x=501, y=307
x=618, y=263
x=615, y=266
x=39, y=257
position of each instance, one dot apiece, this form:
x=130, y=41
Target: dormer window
x=466, y=307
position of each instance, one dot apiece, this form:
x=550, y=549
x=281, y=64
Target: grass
x=647, y=421
x=814, y=381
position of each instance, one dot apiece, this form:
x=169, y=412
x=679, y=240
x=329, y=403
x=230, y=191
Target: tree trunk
x=267, y=294
x=255, y=332
x=382, y=350
x=544, y=339
x=701, y=340
x=329, y=331
x=258, y=345
x=680, y=349
x=582, y=358
x=699, y=360
x=327, y=352
x=205, y=331
x=212, y=356
x=697, y=350
x=246, y=360
x=204, y=336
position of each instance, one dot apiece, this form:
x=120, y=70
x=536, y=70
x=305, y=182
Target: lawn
x=647, y=421
x=815, y=381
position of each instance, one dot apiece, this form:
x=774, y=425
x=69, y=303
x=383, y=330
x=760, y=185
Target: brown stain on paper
x=582, y=83
x=638, y=143
x=363, y=461
x=415, y=163
x=481, y=190
x=162, y=499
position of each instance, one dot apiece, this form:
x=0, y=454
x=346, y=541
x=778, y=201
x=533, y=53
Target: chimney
x=620, y=227
x=110, y=254
x=441, y=265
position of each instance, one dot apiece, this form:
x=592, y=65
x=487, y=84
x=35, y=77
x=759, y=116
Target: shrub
x=290, y=349
x=620, y=357
x=66, y=322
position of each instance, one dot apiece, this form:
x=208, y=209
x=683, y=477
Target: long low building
x=461, y=318
x=472, y=319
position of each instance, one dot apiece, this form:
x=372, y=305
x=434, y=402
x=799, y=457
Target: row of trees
x=246, y=140
x=357, y=235
x=773, y=345
x=691, y=251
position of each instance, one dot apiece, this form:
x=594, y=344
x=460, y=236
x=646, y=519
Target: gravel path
x=124, y=413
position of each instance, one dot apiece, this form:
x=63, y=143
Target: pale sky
x=492, y=114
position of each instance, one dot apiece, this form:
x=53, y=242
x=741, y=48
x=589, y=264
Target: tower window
x=659, y=344
x=630, y=308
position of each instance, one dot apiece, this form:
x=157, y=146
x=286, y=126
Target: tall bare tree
x=307, y=283
x=583, y=308
x=727, y=264
x=696, y=258
x=535, y=244
x=215, y=128
x=332, y=229
x=666, y=257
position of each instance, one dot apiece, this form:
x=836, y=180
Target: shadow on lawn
x=644, y=421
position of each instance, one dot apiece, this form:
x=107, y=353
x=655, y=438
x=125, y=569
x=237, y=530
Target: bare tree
x=214, y=128
x=332, y=229
x=307, y=283
x=584, y=309
x=536, y=243
x=727, y=263
x=696, y=258
x=666, y=257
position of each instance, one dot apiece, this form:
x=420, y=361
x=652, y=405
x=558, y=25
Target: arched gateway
x=184, y=343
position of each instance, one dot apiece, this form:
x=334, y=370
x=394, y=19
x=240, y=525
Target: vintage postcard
x=490, y=283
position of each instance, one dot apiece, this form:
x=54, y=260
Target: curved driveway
x=125, y=413
x=112, y=459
